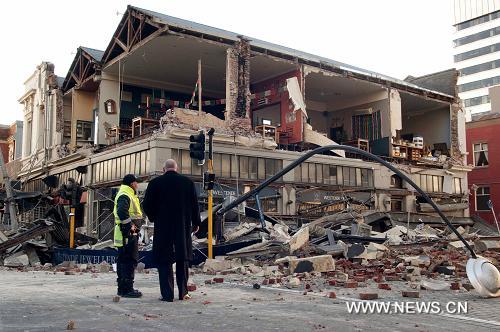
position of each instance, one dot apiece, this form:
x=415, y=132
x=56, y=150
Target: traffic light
x=208, y=181
x=197, y=147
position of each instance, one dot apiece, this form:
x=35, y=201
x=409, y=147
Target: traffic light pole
x=210, y=195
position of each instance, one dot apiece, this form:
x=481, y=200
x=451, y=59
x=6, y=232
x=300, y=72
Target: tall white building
x=477, y=52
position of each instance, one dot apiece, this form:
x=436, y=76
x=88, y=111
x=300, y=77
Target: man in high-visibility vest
x=127, y=210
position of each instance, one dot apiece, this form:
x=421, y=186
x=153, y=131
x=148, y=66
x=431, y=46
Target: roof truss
x=134, y=28
x=83, y=67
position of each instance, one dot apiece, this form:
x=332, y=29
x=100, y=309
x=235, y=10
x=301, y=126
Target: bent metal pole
x=366, y=154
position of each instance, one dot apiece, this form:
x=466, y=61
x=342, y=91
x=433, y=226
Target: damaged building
x=130, y=107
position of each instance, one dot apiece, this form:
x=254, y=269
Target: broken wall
x=291, y=121
x=238, y=86
x=109, y=89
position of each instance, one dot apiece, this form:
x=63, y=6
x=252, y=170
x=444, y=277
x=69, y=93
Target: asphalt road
x=44, y=301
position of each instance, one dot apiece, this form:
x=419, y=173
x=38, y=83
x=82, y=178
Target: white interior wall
x=108, y=89
x=433, y=125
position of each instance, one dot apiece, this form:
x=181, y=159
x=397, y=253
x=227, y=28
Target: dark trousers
x=166, y=275
x=126, y=263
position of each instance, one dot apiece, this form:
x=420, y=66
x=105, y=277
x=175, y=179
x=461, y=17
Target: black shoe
x=165, y=300
x=132, y=294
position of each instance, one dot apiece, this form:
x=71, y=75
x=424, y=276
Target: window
x=478, y=20
x=396, y=181
x=477, y=52
x=396, y=204
x=479, y=84
x=480, y=154
x=457, y=185
x=430, y=183
x=477, y=36
x=83, y=130
x=110, y=106
x=366, y=126
x=476, y=101
x=480, y=67
x=482, y=198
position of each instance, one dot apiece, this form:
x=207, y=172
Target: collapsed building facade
x=132, y=106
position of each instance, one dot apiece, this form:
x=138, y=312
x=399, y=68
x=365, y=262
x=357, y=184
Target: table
x=142, y=125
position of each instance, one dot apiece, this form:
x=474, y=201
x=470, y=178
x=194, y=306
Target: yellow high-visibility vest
x=134, y=212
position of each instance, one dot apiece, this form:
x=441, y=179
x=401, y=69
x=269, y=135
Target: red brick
x=219, y=280
x=265, y=282
x=351, y=284
x=378, y=278
x=330, y=273
x=191, y=288
x=332, y=282
x=414, y=294
x=332, y=295
x=360, y=278
x=368, y=296
x=455, y=286
x=272, y=281
x=384, y=286
x=392, y=278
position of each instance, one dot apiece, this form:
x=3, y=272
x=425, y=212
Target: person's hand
x=133, y=229
x=196, y=229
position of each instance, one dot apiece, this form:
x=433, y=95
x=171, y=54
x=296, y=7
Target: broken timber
x=43, y=226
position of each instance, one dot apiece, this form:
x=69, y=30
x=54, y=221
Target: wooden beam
x=77, y=81
x=138, y=33
x=121, y=44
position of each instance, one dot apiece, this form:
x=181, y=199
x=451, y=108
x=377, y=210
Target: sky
x=393, y=37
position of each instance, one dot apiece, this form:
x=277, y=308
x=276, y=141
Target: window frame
x=474, y=153
x=482, y=194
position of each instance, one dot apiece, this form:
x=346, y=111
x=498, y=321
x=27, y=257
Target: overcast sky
x=392, y=37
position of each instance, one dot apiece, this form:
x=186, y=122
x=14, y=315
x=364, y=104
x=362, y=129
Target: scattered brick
x=455, y=286
x=191, y=287
x=332, y=282
x=368, y=296
x=116, y=298
x=332, y=295
x=413, y=294
x=71, y=325
x=384, y=286
x=392, y=278
x=218, y=280
x=351, y=284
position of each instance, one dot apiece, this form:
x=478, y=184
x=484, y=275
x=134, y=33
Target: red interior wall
x=293, y=127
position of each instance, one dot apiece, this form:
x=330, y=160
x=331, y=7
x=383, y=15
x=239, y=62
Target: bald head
x=170, y=165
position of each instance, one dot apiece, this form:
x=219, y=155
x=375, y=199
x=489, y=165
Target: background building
x=483, y=144
x=477, y=51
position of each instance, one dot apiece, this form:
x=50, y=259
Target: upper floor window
x=482, y=198
x=480, y=154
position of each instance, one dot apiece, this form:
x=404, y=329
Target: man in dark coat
x=171, y=203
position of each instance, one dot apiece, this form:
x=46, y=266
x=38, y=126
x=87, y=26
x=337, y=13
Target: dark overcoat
x=171, y=203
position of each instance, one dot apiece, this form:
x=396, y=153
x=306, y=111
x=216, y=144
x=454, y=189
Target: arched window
x=110, y=106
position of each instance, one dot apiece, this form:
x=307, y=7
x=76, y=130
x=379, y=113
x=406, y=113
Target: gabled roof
x=154, y=22
x=96, y=54
x=86, y=62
